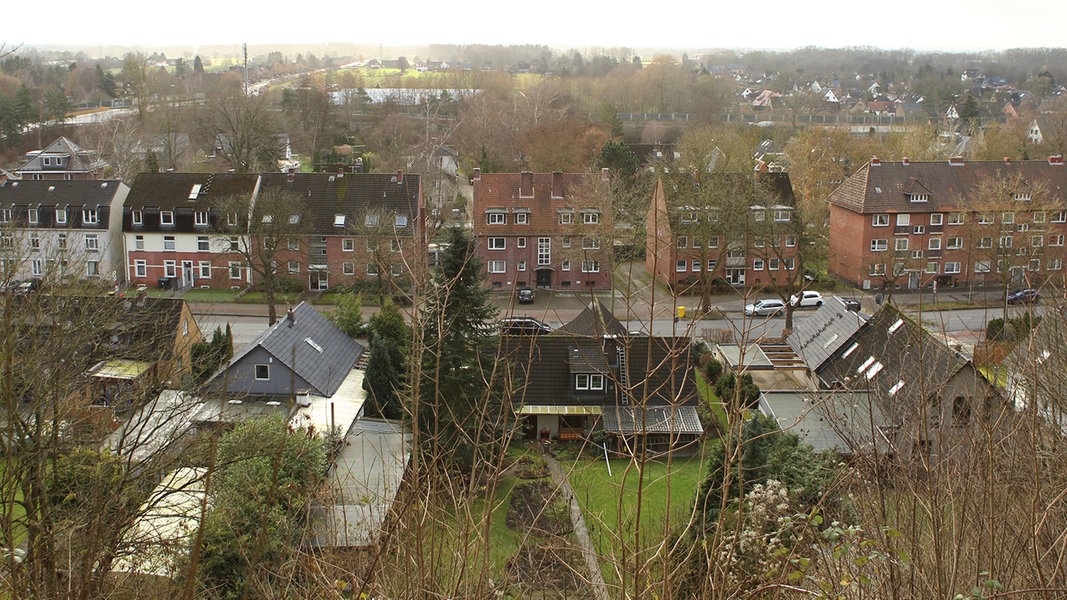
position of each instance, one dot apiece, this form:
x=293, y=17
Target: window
x=696, y=265
x=590, y=218
x=590, y=243
x=371, y=245
x=200, y=218
x=497, y=243
x=790, y=241
x=1035, y=264
x=918, y=197
x=1037, y=241
x=32, y=217
x=566, y=266
x=918, y=229
x=339, y=220
x=1005, y=241
x=520, y=242
x=348, y=245
x=790, y=263
x=37, y=267
x=7, y=241
x=522, y=218
x=879, y=245
x=544, y=251
x=61, y=216
x=268, y=219
x=292, y=244
x=235, y=269
x=140, y=268
x=880, y=220
x=497, y=266
x=294, y=219
x=168, y=242
x=900, y=244
x=713, y=241
x=1007, y=218
x=566, y=242
x=1024, y=197
x=234, y=244
x=712, y=265
x=231, y=219
x=985, y=218
x=372, y=268
x=593, y=266
x=1059, y=217
x=1054, y=264
x=952, y=267
x=138, y=242
x=170, y=268
x=205, y=269
x=961, y=411
x=394, y=245
x=370, y=220
x=293, y=267
x=263, y=372
x=934, y=244
x=1039, y=217
x=931, y=267
x=877, y=269
x=496, y=218
x=35, y=241
x=396, y=269
x=348, y=268
x=955, y=218
x=681, y=266
x=90, y=216
x=757, y=264
x=588, y=381
x=166, y=217
x=92, y=268
x=982, y=266
x=782, y=216
x=772, y=264
x=985, y=243
x=92, y=244
x=61, y=241
x=1055, y=239
x=683, y=242
x=522, y=265
x=566, y=218
x=203, y=244
x=903, y=220
x=937, y=219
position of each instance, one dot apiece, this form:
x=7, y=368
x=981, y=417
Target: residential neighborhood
x=508, y=322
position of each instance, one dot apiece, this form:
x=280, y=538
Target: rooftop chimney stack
x=399, y=176
x=290, y=316
x=1056, y=159
x=875, y=162
x=956, y=161
x=1007, y=160
x=477, y=175
x=290, y=176
x=605, y=174
x=905, y=161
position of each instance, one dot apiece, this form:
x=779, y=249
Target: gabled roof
x=323, y=196
x=595, y=320
x=311, y=346
x=884, y=186
x=77, y=160
x=169, y=191
x=819, y=336
x=52, y=193
x=894, y=357
x=688, y=192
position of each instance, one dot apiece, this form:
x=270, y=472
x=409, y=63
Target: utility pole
x=244, y=49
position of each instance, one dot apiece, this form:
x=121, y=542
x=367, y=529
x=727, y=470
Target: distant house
x=61, y=230
x=589, y=375
x=62, y=159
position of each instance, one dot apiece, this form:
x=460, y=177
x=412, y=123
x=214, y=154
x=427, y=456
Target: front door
x=735, y=276
x=544, y=278
x=187, y=273
x=318, y=280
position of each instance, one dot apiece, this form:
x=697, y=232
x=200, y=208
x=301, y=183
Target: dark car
x=1024, y=296
x=526, y=296
x=523, y=326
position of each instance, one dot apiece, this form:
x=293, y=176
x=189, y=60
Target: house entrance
x=318, y=280
x=544, y=278
x=187, y=273
x=735, y=276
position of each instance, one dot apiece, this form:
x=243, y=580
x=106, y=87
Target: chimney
x=290, y=316
x=875, y=162
x=477, y=175
x=526, y=184
x=557, y=184
x=399, y=176
x=605, y=174
x=1056, y=159
x=1007, y=160
x=290, y=176
x=340, y=172
x=905, y=161
x=956, y=161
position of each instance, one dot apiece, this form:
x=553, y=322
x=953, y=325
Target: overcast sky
x=685, y=25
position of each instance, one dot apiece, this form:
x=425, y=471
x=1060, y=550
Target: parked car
x=768, y=307
x=1024, y=296
x=523, y=326
x=806, y=299
x=526, y=296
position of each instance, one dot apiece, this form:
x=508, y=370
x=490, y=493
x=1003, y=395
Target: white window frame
x=90, y=216
x=496, y=218
x=203, y=243
x=140, y=268
x=33, y=217
x=166, y=218
x=497, y=266
x=497, y=243
x=205, y=269
x=235, y=268
x=170, y=268
x=590, y=266
x=91, y=242
x=61, y=216
x=937, y=218
x=170, y=243
x=903, y=219
x=879, y=245
x=265, y=370
x=201, y=218
x=522, y=218
x=348, y=245
x=880, y=220
x=590, y=218
x=520, y=242
x=934, y=244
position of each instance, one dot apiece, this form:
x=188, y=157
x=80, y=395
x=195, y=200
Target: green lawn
x=13, y=495
x=211, y=295
x=707, y=394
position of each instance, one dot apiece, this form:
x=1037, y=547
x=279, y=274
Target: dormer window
x=1024, y=197
x=61, y=216
x=588, y=382
x=166, y=217
x=918, y=197
x=5, y=215
x=138, y=217
x=33, y=218
x=231, y=219
x=401, y=220
x=200, y=218
x=496, y=218
x=370, y=220
x=89, y=216
x=294, y=219
x=590, y=218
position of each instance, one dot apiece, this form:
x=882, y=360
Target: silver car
x=768, y=307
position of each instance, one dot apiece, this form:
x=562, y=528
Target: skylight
x=851, y=349
x=896, y=388
x=875, y=368
x=294, y=219
x=195, y=191
x=313, y=344
x=830, y=341
x=865, y=364
x=896, y=326
x=338, y=220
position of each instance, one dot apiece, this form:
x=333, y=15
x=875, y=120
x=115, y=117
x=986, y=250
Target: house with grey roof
x=62, y=160
x=818, y=337
x=61, y=230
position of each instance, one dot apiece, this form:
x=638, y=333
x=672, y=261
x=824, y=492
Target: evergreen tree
x=387, y=367
x=348, y=315
x=458, y=334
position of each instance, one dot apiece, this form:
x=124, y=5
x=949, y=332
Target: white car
x=768, y=307
x=806, y=299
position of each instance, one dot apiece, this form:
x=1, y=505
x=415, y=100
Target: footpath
x=581, y=532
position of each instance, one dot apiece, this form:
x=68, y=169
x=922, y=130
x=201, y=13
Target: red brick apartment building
x=544, y=230
x=907, y=224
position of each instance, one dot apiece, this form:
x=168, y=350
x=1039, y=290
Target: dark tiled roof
x=654, y=419
x=824, y=332
x=78, y=159
x=885, y=187
x=893, y=351
x=587, y=357
x=44, y=193
x=708, y=190
x=322, y=196
x=171, y=191
x=595, y=320
x=296, y=343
